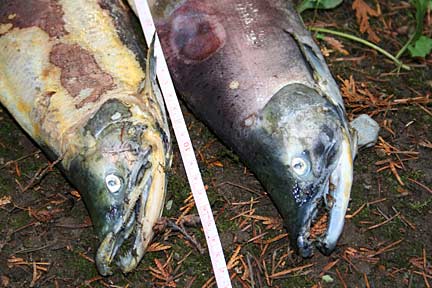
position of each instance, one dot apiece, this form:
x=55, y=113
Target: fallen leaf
x=5, y=200
x=363, y=11
x=76, y=194
x=336, y=44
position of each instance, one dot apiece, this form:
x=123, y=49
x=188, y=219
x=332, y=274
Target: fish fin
x=147, y=87
x=150, y=91
x=319, y=70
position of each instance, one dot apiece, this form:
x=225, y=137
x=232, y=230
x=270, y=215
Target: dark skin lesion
x=45, y=14
x=195, y=31
x=80, y=71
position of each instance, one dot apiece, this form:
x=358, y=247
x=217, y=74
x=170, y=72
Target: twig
x=329, y=266
x=40, y=173
x=340, y=278
x=425, y=280
x=421, y=185
x=91, y=280
x=404, y=220
x=384, y=222
x=366, y=280
x=363, y=206
x=241, y=187
x=34, y=249
x=250, y=271
x=20, y=158
x=291, y=270
x=257, y=237
x=189, y=238
x=386, y=248
x=424, y=109
x=421, y=273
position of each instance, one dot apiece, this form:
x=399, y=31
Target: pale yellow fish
x=76, y=77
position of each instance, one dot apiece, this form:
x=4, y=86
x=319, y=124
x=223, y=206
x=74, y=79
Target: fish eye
x=300, y=166
x=113, y=183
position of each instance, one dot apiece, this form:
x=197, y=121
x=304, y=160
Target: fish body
x=76, y=77
x=252, y=72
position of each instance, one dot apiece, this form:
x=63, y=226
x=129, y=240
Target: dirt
x=47, y=239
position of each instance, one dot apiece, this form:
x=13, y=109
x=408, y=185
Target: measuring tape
x=186, y=149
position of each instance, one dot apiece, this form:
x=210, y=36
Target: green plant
x=418, y=45
x=317, y=4
x=364, y=42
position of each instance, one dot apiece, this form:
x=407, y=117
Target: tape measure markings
x=186, y=149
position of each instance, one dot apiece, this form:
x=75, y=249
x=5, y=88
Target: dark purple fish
x=251, y=71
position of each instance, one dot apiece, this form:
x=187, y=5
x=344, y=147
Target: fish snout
x=121, y=175
x=127, y=237
x=304, y=158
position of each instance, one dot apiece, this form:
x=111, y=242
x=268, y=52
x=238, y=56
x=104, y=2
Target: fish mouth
x=125, y=244
x=335, y=194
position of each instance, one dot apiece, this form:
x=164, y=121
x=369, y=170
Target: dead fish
x=75, y=76
x=252, y=72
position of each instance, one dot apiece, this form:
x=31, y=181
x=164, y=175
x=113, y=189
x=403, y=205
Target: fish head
x=306, y=160
x=121, y=175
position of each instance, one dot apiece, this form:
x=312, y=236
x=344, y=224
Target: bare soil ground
x=47, y=238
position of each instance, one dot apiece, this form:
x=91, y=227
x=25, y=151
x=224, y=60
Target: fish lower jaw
x=304, y=246
x=120, y=245
x=126, y=246
x=109, y=248
x=324, y=247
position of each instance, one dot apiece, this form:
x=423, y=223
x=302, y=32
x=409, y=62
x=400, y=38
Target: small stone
x=381, y=153
x=367, y=130
x=169, y=204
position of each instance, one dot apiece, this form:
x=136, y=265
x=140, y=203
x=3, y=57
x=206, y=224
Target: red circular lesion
x=195, y=35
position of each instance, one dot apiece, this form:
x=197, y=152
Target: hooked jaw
x=341, y=179
x=121, y=176
x=337, y=188
x=129, y=235
x=304, y=157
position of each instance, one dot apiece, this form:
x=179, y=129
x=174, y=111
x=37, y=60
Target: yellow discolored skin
x=61, y=62
x=30, y=84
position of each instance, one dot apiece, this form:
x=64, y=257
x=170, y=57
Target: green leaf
x=421, y=8
x=317, y=4
x=421, y=47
